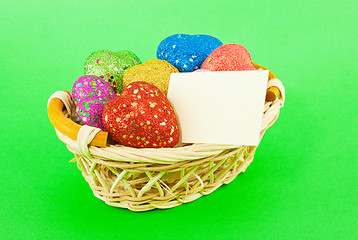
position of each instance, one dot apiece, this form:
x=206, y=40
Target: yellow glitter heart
x=155, y=71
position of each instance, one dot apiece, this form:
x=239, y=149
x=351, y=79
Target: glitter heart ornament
x=90, y=86
x=187, y=52
x=89, y=111
x=111, y=66
x=229, y=57
x=90, y=94
x=155, y=71
x=141, y=117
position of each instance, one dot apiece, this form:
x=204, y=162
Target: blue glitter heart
x=187, y=52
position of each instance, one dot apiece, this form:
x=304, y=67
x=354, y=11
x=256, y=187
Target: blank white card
x=219, y=107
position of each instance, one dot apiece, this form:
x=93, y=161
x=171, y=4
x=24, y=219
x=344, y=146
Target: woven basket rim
x=163, y=156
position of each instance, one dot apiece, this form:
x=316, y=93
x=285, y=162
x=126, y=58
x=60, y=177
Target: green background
x=302, y=183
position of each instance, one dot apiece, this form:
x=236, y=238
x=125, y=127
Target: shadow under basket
x=142, y=179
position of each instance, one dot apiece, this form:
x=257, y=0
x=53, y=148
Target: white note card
x=219, y=107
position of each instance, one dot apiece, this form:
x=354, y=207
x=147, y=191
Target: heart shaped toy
x=187, y=52
x=111, y=66
x=229, y=57
x=155, y=71
x=141, y=117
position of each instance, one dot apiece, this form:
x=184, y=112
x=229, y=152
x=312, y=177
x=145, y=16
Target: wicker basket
x=145, y=179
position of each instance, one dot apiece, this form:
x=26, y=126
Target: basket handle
x=273, y=92
x=68, y=127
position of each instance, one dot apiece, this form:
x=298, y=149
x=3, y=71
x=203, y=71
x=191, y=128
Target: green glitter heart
x=111, y=65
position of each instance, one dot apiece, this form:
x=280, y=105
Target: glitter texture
x=110, y=66
x=187, y=52
x=141, y=117
x=155, y=71
x=91, y=86
x=89, y=112
x=90, y=94
x=229, y=57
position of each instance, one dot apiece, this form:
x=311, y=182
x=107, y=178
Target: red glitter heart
x=141, y=116
x=229, y=57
